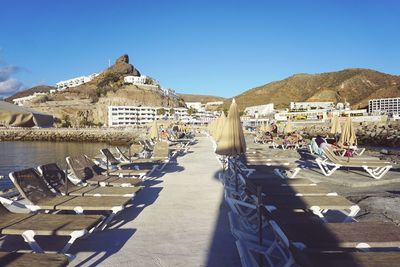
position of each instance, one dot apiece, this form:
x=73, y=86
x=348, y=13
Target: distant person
x=274, y=128
x=319, y=140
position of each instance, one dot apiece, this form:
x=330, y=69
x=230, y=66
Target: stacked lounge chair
x=31, y=225
x=286, y=222
x=59, y=183
x=84, y=170
x=33, y=188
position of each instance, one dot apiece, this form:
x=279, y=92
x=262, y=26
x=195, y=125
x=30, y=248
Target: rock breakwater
x=70, y=135
x=368, y=133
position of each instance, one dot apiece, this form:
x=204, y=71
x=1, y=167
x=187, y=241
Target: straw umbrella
x=232, y=142
x=219, y=126
x=288, y=128
x=267, y=128
x=348, y=135
x=154, y=130
x=335, y=127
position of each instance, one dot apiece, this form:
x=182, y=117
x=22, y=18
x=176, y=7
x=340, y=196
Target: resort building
x=135, y=79
x=304, y=116
x=260, y=110
x=62, y=85
x=21, y=100
x=169, y=92
x=127, y=116
x=196, y=105
x=214, y=103
x=302, y=106
x=384, y=105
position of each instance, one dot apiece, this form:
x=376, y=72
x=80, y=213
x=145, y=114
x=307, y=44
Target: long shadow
x=140, y=202
x=222, y=250
x=102, y=245
x=308, y=229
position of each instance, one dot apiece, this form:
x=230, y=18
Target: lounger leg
x=280, y=173
x=353, y=212
x=377, y=173
x=114, y=211
x=295, y=172
x=317, y=211
x=324, y=167
x=74, y=235
x=29, y=237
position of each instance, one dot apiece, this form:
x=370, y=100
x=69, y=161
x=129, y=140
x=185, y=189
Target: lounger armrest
x=17, y=204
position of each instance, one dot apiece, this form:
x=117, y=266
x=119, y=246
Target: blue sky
x=203, y=47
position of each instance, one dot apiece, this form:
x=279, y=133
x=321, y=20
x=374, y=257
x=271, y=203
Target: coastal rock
x=123, y=67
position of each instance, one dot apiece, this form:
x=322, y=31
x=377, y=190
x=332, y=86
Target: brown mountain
x=355, y=86
x=200, y=98
x=31, y=91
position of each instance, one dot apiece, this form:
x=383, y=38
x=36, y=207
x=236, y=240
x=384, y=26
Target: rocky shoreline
x=111, y=136
x=368, y=134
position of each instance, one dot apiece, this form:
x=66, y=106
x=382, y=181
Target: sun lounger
x=160, y=155
x=269, y=189
x=374, y=168
x=16, y=259
x=58, y=182
x=250, y=253
x=267, y=179
x=350, y=259
x=35, y=190
x=317, y=204
x=30, y=225
x=130, y=167
x=330, y=236
x=295, y=240
x=83, y=170
x=291, y=169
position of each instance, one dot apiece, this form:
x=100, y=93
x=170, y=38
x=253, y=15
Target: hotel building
x=384, y=105
x=128, y=116
x=260, y=110
x=75, y=81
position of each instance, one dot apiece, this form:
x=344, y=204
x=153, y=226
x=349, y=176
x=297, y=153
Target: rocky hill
x=200, y=98
x=31, y=91
x=87, y=104
x=355, y=86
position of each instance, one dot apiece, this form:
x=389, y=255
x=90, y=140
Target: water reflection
x=19, y=155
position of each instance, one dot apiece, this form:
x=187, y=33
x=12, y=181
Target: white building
x=214, y=103
x=311, y=105
x=21, y=100
x=126, y=116
x=196, y=105
x=75, y=81
x=384, y=105
x=135, y=79
x=260, y=110
x=169, y=92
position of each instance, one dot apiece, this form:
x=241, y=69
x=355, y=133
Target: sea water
x=20, y=155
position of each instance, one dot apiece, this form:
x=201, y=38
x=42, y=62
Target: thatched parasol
x=348, y=136
x=154, y=130
x=219, y=126
x=232, y=142
x=288, y=128
x=335, y=126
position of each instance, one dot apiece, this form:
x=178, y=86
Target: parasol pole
x=260, y=222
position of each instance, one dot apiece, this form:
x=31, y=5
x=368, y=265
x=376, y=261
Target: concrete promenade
x=180, y=219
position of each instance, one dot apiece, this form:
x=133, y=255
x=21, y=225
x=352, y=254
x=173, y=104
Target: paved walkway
x=180, y=220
